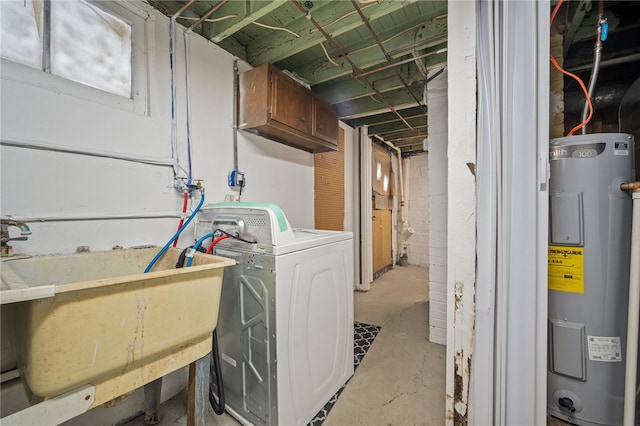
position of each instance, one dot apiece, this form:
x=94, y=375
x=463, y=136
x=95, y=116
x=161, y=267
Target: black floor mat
x=363, y=336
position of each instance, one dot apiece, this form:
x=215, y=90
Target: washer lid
x=309, y=238
x=267, y=224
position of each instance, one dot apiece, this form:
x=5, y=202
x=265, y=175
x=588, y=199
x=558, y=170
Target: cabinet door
x=325, y=123
x=291, y=103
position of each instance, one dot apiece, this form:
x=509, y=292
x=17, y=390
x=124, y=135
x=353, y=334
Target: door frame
x=366, y=206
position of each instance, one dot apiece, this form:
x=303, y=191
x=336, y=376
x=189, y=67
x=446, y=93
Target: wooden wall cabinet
x=273, y=105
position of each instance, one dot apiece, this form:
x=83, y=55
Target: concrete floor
x=401, y=380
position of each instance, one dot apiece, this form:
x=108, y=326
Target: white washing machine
x=285, y=327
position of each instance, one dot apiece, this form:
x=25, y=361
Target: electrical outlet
x=236, y=179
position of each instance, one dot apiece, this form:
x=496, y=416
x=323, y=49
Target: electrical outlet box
x=236, y=179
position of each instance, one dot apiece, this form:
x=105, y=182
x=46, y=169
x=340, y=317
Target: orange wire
x=559, y=68
x=584, y=89
x=555, y=11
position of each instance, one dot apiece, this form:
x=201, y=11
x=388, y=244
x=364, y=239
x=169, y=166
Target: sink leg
x=152, y=393
x=198, y=395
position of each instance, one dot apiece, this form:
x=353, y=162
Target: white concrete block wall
x=437, y=202
x=419, y=210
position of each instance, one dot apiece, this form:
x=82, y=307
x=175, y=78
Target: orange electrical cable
x=555, y=11
x=584, y=89
x=559, y=68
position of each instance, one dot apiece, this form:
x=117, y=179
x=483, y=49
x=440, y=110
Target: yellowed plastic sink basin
x=107, y=324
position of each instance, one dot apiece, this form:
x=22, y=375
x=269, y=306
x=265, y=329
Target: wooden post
x=198, y=391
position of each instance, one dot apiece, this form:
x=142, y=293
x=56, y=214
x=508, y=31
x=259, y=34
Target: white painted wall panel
x=461, y=229
x=437, y=203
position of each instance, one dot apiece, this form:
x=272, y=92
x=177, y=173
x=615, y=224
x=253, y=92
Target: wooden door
x=381, y=239
x=381, y=179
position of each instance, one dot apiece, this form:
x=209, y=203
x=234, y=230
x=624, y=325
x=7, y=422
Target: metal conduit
x=174, y=123
x=356, y=70
x=386, y=55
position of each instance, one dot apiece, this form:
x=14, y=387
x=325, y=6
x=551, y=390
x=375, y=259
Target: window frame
x=141, y=44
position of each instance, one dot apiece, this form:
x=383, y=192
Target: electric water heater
x=589, y=255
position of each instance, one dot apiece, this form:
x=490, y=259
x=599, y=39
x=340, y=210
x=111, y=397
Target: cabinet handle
x=303, y=118
x=320, y=126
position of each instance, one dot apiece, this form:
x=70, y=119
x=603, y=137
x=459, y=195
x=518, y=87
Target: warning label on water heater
x=606, y=349
x=566, y=269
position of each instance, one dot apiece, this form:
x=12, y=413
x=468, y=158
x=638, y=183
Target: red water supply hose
x=185, y=203
x=216, y=241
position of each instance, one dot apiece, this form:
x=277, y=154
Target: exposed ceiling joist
x=278, y=45
x=347, y=89
x=396, y=125
x=386, y=117
x=247, y=11
x=373, y=103
x=581, y=9
x=365, y=54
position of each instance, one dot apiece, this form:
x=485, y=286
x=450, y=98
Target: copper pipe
x=365, y=20
x=206, y=15
x=631, y=186
x=354, y=68
x=182, y=9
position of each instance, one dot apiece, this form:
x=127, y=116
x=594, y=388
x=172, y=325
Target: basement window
x=91, y=46
x=91, y=43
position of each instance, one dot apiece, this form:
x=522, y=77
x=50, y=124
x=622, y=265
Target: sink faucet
x=5, y=249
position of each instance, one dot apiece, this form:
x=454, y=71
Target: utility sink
x=96, y=319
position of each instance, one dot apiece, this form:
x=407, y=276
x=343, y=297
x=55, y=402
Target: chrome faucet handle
x=24, y=228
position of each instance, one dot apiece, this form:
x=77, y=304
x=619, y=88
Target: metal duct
x=608, y=96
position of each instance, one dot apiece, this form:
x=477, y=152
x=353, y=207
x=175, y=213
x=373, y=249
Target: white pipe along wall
x=95, y=169
x=630, y=384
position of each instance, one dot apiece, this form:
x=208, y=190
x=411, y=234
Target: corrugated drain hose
x=218, y=407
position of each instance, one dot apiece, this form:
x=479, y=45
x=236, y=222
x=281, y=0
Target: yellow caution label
x=566, y=269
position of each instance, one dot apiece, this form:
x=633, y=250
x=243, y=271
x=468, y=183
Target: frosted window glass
x=91, y=46
x=21, y=31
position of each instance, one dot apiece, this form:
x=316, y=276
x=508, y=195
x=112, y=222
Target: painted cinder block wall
x=437, y=202
x=419, y=210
